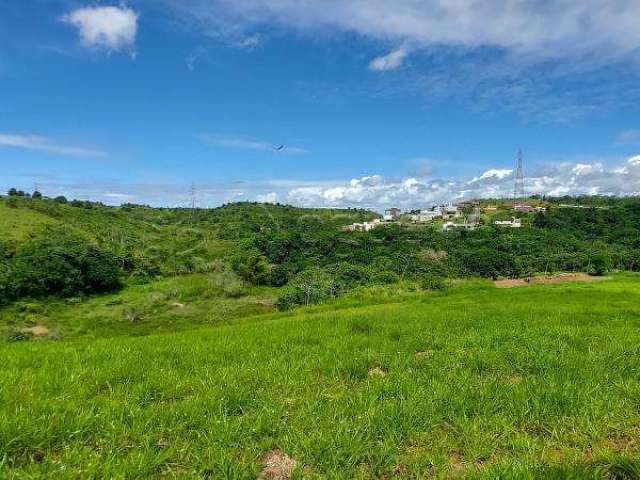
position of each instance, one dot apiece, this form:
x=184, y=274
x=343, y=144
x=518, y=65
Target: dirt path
x=546, y=279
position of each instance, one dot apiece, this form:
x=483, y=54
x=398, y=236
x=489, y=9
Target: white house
x=363, y=227
x=426, y=216
x=450, y=226
x=513, y=223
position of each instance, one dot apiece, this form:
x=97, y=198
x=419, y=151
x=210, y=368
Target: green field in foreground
x=536, y=382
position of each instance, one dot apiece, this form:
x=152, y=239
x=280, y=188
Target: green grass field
x=17, y=224
x=475, y=382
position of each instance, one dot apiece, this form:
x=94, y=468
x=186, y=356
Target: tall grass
x=539, y=382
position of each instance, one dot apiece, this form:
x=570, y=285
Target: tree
x=36, y=195
x=58, y=261
x=312, y=286
x=251, y=265
x=600, y=264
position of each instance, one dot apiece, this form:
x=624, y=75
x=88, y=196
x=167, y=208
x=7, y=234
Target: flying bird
x=278, y=148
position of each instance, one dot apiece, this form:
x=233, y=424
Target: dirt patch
x=512, y=379
x=425, y=354
x=37, y=331
x=378, y=372
x=459, y=467
x=277, y=466
x=548, y=279
x=620, y=443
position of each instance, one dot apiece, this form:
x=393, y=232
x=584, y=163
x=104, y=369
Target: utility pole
x=518, y=188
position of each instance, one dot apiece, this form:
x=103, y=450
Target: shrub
x=385, y=277
x=308, y=287
x=230, y=284
x=432, y=282
x=600, y=264
x=251, y=265
x=348, y=275
x=60, y=262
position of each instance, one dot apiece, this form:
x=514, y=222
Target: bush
x=251, y=265
x=308, y=287
x=348, y=275
x=385, y=277
x=600, y=264
x=432, y=282
x=60, y=262
x=230, y=284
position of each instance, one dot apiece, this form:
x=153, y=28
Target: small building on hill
x=513, y=223
x=392, y=213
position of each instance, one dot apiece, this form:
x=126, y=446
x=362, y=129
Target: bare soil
x=378, y=372
x=38, y=331
x=548, y=279
x=277, y=466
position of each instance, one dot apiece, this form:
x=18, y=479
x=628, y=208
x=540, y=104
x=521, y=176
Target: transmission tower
x=518, y=188
x=192, y=195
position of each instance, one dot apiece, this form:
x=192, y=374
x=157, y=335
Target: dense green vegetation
x=318, y=261
x=305, y=250
x=540, y=382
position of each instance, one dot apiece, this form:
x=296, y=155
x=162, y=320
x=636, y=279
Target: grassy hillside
x=166, y=305
x=537, y=382
x=16, y=224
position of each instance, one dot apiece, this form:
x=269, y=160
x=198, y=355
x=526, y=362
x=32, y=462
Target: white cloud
x=498, y=173
x=242, y=143
x=549, y=28
x=390, y=61
x=549, y=60
x=34, y=142
x=377, y=192
x=271, y=197
x=372, y=191
x=112, y=28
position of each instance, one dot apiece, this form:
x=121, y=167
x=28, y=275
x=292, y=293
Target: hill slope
x=478, y=382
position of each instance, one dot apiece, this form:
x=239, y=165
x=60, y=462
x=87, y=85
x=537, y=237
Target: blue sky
x=376, y=102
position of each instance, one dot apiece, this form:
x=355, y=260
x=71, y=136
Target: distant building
x=392, y=213
x=363, y=227
x=450, y=226
x=513, y=223
x=426, y=216
x=523, y=208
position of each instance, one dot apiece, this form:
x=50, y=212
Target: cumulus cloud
x=372, y=191
x=494, y=173
x=112, y=28
x=377, y=192
x=243, y=143
x=35, y=142
x=549, y=28
x=271, y=197
x=391, y=61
